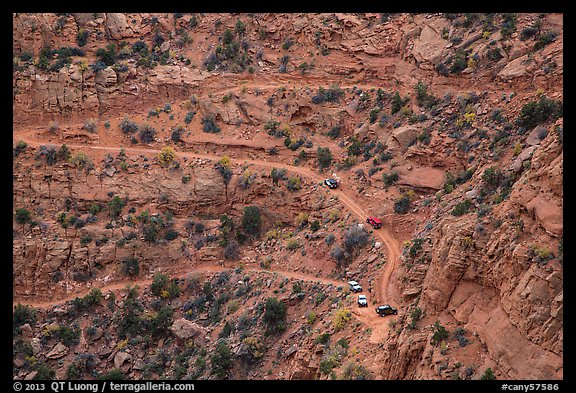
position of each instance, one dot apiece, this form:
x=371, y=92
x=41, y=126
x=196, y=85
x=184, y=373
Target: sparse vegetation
x=402, y=205
x=440, y=333
x=324, y=156
x=209, y=124
x=274, y=316
x=166, y=155
x=332, y=94
x=538, y=112
x=294, y=183
x=251, y=220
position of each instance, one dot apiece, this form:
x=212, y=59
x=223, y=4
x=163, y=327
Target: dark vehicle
x=376, y=223
x=331, y=183
x=386, y=310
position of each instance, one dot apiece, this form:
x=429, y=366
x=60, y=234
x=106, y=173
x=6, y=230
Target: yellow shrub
x=301, y=220
x=469, y=117
x=225, y=162
x=166, y=155
x=121, y=344
x=341, y=317
x=271, y=234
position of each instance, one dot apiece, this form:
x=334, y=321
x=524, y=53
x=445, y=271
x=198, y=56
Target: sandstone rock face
x=491, y=282
x=422, y=177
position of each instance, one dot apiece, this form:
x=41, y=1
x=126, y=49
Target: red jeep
x=376, y=223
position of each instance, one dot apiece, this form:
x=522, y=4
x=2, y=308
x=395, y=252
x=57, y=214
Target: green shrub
x=461, y=208
x=161, y=322
x=292, y=244
x=107, y=55
x=115, y=206
x=488, y=375
x=82, y=37
x=323, y=339
x=22, y=216
x=130, y=267
x=402, y=205
x=355, y=147
x=398, y=102
x=171, y=235
x=508, y=25
x=128, y=127
x=294, y=183
x=390, y=179
x=355, y=372
x=274, y=316
x=333, y=94
x=545, y=39
x=251, y=220
x=440, y=334
x=538, y=112
x=334, y=132
x=159, y=283
x=422, y=97
x=492, y=177
x=147, y=134
x=19, y=148
x=44, y=372
x=85, y=240
x=113, y=375
x=81, y=161
x=221, y=359
x=355, y=237
x=21, y=315
x=277, y=174
x=315, y=225
x=324, y=156
x=150, y=233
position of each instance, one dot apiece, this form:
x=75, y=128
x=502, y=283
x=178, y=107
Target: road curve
x=391, y=244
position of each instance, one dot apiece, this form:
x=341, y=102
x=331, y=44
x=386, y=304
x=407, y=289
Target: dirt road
x=391, y=244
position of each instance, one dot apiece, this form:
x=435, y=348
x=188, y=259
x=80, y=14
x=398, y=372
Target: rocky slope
x=446, y=126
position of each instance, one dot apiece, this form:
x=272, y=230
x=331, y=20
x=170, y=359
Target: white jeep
x=354, y=286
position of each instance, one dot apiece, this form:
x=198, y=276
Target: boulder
x=58, y=351
x=424, y=177
x=109, y=170
x=405, y=135
x=515, y=69
x=36, y=346
x=106, y=77
x=534, y=137
x=185, y=329
x=117, y=26
x=290, y=351
x=120, y=358
x=429, y=46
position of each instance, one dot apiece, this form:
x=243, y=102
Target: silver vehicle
x=354, y=286
x=362, y=301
